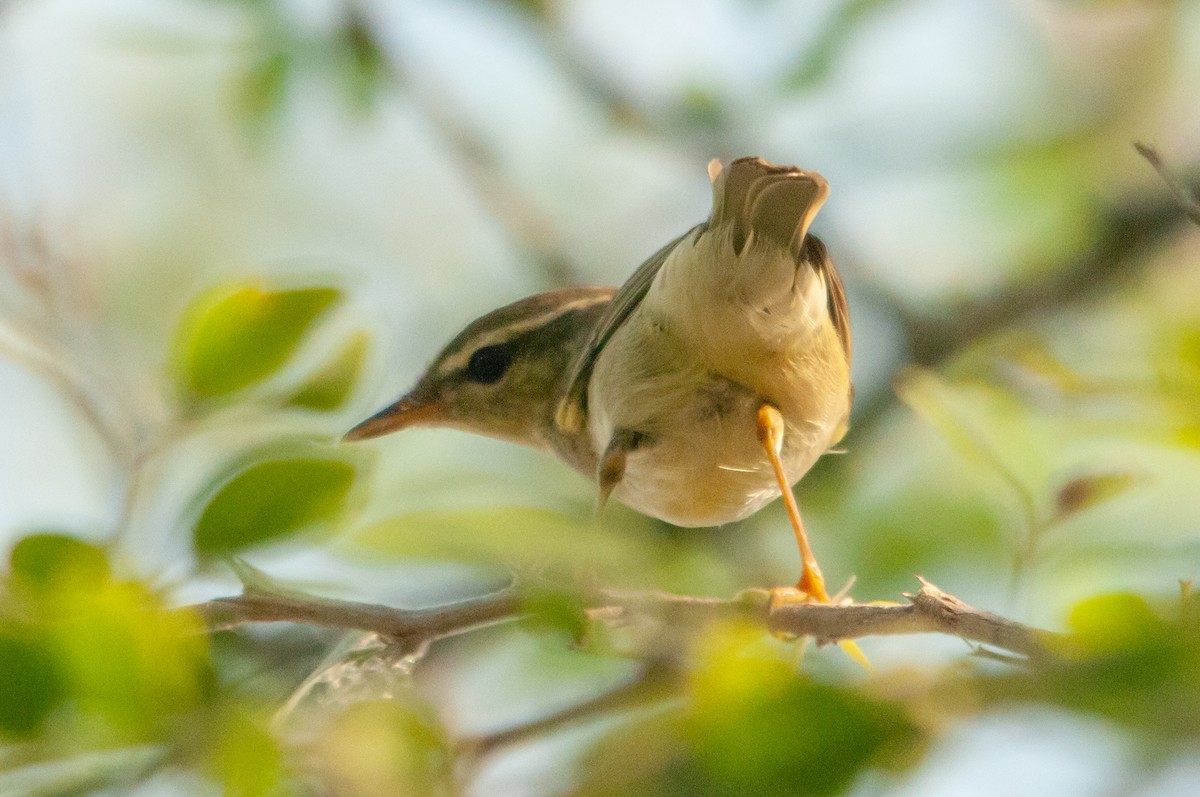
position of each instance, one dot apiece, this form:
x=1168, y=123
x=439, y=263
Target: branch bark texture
x=930, y=610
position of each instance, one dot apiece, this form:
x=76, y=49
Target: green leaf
x=818, y=61
x=702, y=108
x=239, y=335
x=750, y=724
x=1116, y=621
x=541, y=10
x=246, y=758
x=982, y=424
x=97, y=646
x=273, y=499
x=365, y=67
x=48, y=562
x=260, y=91
x=131, y=660
x=31, y=685
x=955, y=527
x=561, y=610
x=329, y=387
x=512, y=534
x=385, y=747
x=757, y=727
x=1124, y=662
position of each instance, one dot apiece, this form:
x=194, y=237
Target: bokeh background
x=1024, y=291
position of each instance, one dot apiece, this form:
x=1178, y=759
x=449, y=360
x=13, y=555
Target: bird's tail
x=765, y=203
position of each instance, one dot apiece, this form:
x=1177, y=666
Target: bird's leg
x=812, y=584
x=770, y=434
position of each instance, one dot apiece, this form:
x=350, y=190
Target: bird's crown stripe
x=515, y=329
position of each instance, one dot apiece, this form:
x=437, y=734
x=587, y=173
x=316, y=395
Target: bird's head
x=503, y=375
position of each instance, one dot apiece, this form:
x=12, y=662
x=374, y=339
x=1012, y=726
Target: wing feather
x=572, y=408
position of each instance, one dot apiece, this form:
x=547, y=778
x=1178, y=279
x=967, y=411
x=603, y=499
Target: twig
x=255, y=606
x=532, y=231
x=1187, y=199
x=1123, y=234
x=62, y=372
x=930, y=610
x=652, y=682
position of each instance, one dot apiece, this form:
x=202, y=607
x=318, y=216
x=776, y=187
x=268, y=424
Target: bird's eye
x=489, y=364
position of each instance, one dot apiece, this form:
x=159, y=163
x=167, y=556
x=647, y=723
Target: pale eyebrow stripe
x=506, y=333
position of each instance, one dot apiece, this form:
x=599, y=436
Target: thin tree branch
x=1126, y=232
x=531, y=231
x=652, y=682
x=929, y=611
x=1187, y=198
x=256, y=606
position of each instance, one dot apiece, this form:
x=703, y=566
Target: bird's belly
x=698, y=460
x=703, y=465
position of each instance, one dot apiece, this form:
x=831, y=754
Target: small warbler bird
x=699, y=391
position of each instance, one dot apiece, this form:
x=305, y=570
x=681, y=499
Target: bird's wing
x=838, y=308
x=572, y=408
x=839, y=312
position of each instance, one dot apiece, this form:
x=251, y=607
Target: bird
x=699, y=391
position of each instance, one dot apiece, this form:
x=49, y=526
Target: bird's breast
x=700, y=461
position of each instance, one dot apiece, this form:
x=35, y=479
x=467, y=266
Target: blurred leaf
x=104, y=649
x=31, y=683
x=1177, y=358
x=645, y=758
x=1029, y=362
x=132, y=661
x=934, y=400
x=80, y=773
x=1085, y=492
x=541, y=10
x=970, y=419
x=273, y=499
x=46, y=562
x=1037, y=191
x=1124, y=662
x=254, y=580
x=752, y=725
x=329, y=387
x=562, y=610
x=383, y=748
x=1188, y=435
x=246, y=758
x=818, y=60
x=241, y=334
x=702, y=108
x=261, y=89
x=922, y=526
x=1113, y=622
x=518, y=535
x=757, y=725
x=364, y=65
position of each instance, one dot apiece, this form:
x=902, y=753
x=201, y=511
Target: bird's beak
x=410, y=410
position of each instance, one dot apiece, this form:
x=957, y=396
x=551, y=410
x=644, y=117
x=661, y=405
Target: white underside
x=690, y=369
